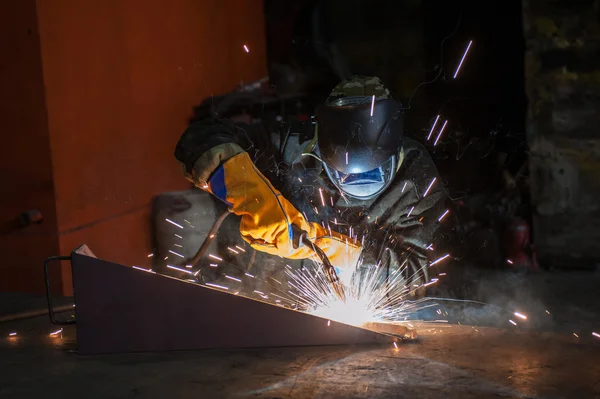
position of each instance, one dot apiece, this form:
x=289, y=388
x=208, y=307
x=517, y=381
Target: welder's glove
x=267, y=216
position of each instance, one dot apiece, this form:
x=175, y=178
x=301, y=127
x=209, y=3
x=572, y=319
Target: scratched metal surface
x=122, y=309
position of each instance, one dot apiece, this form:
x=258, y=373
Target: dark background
x=401, y=43
x=415, y=47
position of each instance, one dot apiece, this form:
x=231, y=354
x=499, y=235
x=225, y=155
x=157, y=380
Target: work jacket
x=397, y=229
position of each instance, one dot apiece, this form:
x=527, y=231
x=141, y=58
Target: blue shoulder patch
x=217, y=185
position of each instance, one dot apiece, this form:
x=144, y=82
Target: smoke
x=555, y=301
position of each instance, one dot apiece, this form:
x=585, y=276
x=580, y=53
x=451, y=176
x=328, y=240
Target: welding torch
x=299, y=239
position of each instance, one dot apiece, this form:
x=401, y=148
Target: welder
x=372, y=193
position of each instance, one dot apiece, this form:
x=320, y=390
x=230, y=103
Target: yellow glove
x=267, y=216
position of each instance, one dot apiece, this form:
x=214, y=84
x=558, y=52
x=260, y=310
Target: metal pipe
x=49, y=294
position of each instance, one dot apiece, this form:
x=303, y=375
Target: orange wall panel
x=121, y=78
x=25, y=162
x=123, y=238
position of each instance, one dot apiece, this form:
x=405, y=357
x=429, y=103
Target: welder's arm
x=415, y=218
x=413, y=234
x=226, y=171
x=418, y=225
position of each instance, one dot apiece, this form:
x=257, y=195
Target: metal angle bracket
x=121, y=309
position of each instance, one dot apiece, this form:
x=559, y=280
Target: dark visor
x=369, y=133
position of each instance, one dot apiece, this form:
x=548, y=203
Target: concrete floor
x=448, y=360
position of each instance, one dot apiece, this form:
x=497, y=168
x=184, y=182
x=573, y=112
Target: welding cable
x=252, y=259
x=209, y=239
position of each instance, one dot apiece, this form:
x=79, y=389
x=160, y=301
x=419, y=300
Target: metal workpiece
x=123, y=309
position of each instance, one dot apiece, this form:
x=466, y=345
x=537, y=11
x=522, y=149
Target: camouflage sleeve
x=412, y=217
x=205, y=144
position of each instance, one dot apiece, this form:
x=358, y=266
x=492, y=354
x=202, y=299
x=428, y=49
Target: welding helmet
x=360, y=130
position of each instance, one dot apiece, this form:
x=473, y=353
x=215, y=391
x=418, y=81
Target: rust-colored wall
x=121, y=77
x=25, y=164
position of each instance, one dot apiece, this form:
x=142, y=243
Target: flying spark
x=233, y=250
x=437, y=118
x=510, y=262
x=174, y=224
x=178, y=236
x=145, y=270
x=217, y=286
x=404, y=186
x=240, y=248
x=443, y=215
x=12, y=334
x=215, y=257
x=328, y=323
x=322, y=198
x=151, y=255
x=429, y=188
x=178, y=246
x=409, y=212
x=346, y=158
x=233, y=278
x=175, y=253
x=249, y=275
x=189, y=223
x=246, y=48
x=547, y=312
x=440, y=133
x=439, y=260
x=372, y=104
x=395, y=346
x=520, y=315
x=180, y=269
x=462, y=59
x=512, y=322
x=595, y=334
x=577, y=336
x=213, y=265
x=55, y=333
